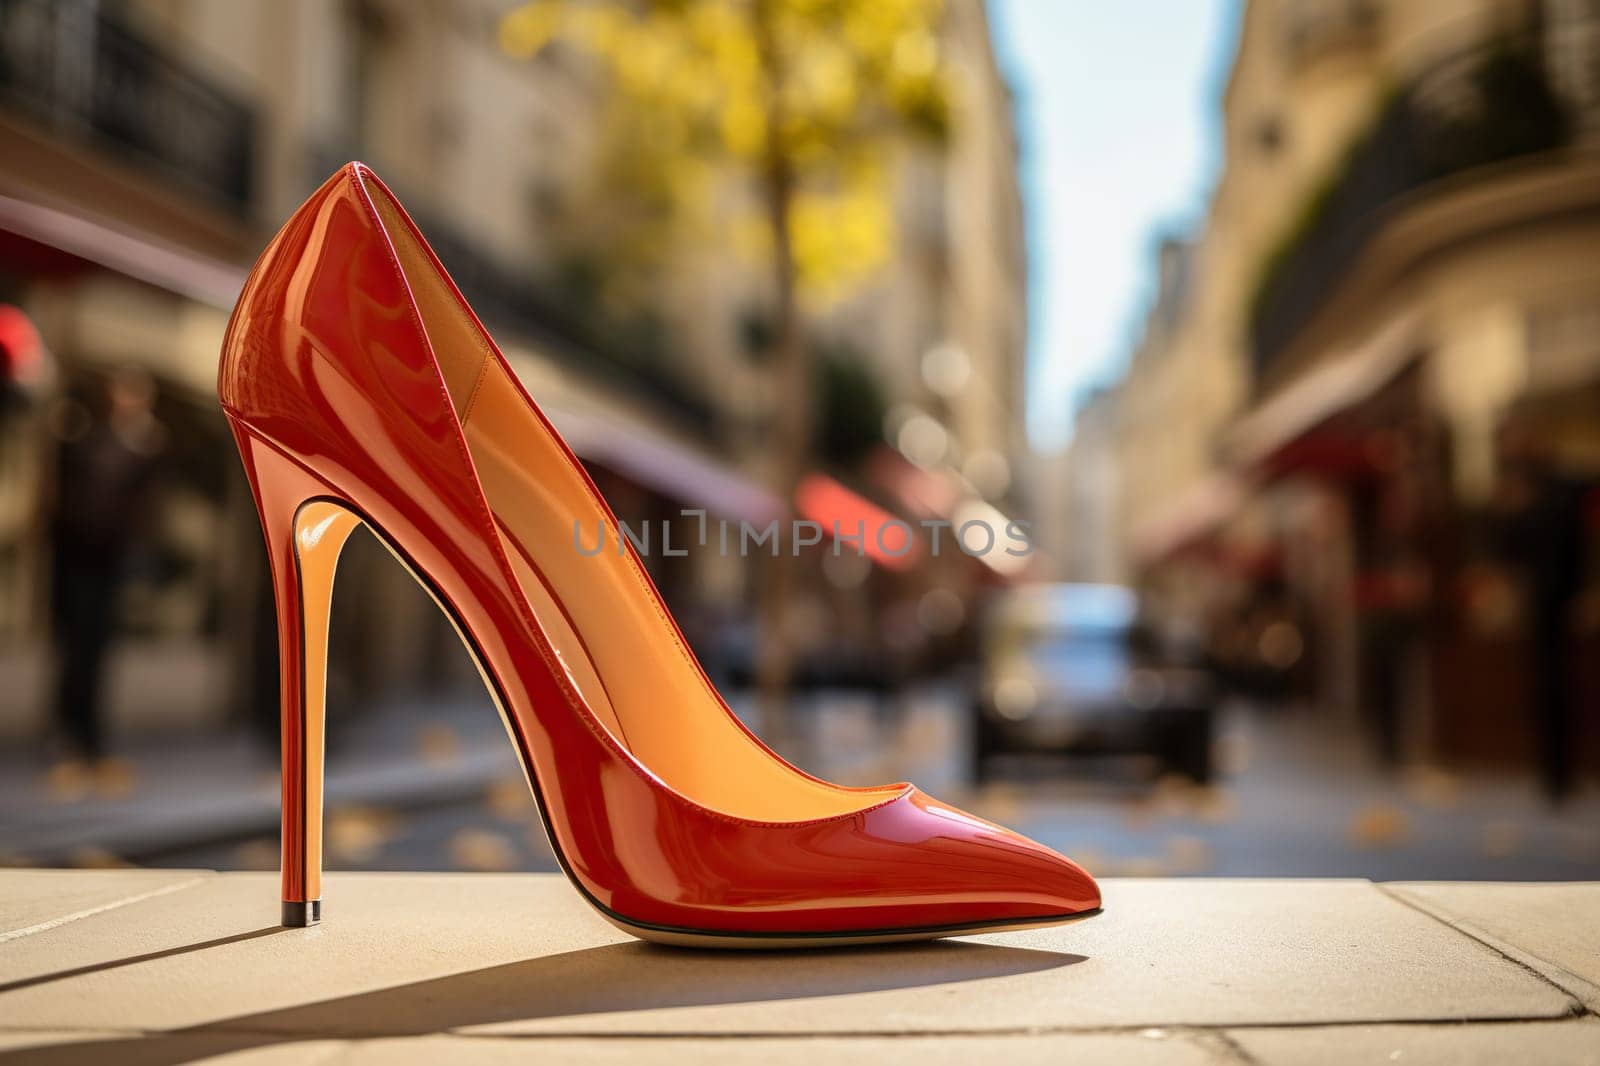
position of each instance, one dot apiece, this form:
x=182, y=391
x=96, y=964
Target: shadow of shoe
x=134, y=960
x=613, y=978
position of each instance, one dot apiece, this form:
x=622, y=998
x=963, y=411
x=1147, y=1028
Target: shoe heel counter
x=325, y=341
x=246, y=347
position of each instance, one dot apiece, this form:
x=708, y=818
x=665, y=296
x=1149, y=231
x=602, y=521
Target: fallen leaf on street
x=482, y=850
x=357, y=834
x=1379, y=825
x=438, y=744
x=1433, y=788
x=258, y=854
x=92, y=858
x=1188, y=854
x=508, y=798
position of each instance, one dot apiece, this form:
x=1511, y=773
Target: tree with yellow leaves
x=802, y=98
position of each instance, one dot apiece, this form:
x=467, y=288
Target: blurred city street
x=436, y=787
x=1169, y=430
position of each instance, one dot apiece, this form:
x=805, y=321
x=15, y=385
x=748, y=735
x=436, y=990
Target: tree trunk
x=791, y=438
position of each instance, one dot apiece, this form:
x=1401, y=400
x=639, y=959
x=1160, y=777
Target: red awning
x=1335, y=455
x=1322, y=392
x=924, y=493
x=884, y=539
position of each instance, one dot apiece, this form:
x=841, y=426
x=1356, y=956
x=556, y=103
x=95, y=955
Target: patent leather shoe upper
x=336, y=358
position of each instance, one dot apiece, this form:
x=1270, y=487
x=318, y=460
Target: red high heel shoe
x=361, y=388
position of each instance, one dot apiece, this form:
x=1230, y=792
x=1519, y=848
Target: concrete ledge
x=174, y=967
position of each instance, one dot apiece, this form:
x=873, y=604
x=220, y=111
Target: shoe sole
x=673, y=935
x=802, y=941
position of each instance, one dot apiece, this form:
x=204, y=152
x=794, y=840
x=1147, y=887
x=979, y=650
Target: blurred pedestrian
x=106, y=462
x=1544, y=512
x=1392, y=591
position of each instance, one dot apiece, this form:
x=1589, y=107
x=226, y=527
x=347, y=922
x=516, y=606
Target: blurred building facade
x=949, y=318
x=1377, y=388
x=1082, y=519
x=944, y=329
x=148, y=147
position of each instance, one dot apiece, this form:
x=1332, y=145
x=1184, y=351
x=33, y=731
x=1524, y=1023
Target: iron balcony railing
x=1492, y=104
x=68, y=65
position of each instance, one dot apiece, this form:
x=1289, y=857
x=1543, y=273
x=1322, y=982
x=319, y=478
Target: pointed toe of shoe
x=1032, y=880
x=1070, y=888
x=910, y=867
x=967, y=871
x=1044, y=877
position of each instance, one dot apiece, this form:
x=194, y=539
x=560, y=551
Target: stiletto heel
x=305, y=530
x=362, y=388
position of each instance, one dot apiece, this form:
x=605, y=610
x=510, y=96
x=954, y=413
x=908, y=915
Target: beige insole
x=605, y=623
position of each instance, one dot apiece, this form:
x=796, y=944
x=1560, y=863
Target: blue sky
x=1117, y=109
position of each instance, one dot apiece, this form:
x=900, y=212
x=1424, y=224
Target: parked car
x=734, y=660
x=1068, y=669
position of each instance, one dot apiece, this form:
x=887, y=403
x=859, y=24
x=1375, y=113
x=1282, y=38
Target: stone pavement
x=166, y=967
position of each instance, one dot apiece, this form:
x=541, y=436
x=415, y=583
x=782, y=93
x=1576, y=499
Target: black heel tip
x=301, y=915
